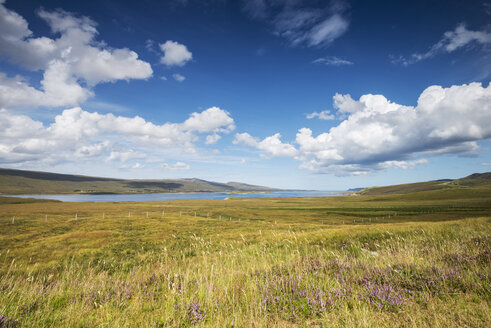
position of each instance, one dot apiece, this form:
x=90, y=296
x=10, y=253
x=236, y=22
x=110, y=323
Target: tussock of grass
x=404, y=262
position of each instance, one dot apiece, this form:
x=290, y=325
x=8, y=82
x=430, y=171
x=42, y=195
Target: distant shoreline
x=143, y=197
x=157, y=192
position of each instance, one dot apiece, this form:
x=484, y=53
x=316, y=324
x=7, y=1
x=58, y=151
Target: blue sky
x=291, y=94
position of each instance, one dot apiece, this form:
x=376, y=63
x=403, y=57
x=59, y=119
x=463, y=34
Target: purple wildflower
x=195, y=313
x=4, y=321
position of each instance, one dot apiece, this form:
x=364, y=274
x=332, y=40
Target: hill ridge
x=472, y=180
x=14, y=181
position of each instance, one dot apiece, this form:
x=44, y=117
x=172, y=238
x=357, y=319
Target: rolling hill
x=17, y=182
x=473, y=180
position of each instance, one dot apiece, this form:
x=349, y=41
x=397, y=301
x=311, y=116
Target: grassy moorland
x=413, y=260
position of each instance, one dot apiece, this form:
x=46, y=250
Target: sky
x=325, y=95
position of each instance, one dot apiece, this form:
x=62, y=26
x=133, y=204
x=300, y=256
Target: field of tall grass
x=416, y=260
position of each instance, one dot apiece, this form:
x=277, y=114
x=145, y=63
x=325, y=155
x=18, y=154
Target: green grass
x=413, y=260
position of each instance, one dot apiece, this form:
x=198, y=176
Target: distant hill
x=17, y=182
x=473, y=180
x=356, y=189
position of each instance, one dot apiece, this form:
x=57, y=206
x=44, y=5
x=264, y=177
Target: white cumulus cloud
x=175, y=54
x=76, y=133
x=378, y=134
x=245, y=139
x=212, y=138
x=178, y=77
x=272, y=146
x=71, y=63
x=213, y=119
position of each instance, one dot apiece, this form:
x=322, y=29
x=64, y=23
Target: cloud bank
x=377, y=133
x=77, y=134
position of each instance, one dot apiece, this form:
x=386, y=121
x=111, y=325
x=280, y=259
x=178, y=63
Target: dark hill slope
x=31, y=182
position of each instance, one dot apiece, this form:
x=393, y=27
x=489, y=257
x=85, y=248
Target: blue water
x=177, y=196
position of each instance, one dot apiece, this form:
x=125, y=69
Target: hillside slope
x=31, y=182
x=473, y=180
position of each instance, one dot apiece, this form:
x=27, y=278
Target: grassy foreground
x=415, y=260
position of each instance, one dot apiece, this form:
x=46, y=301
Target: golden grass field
x=415, y=260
